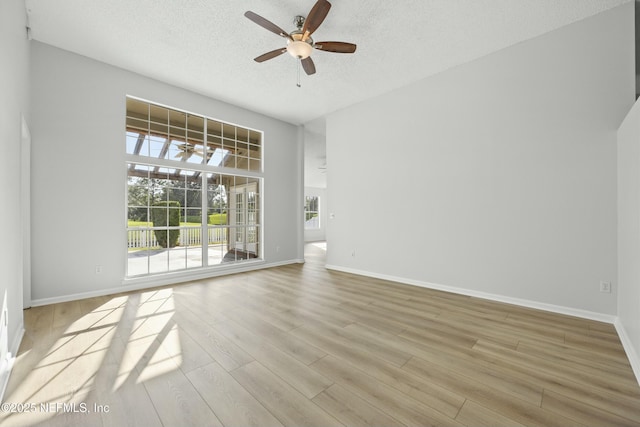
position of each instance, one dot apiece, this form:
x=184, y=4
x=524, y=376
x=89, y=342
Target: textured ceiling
x=208, y=46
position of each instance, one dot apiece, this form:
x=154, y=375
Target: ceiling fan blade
x=265, y=23
x=270, y=55
x=315, y=18
x=308, y=65
x=339, y=47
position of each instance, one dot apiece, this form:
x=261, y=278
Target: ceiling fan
x=187, y=150
x=299, y=42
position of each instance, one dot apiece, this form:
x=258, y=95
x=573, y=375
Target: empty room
x=319, y=213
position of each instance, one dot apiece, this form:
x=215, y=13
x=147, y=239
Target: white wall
x=315, y=154
x=497, y=177
x=319, y=234
x=78, y=155
x=14, y=90
x=629, y=236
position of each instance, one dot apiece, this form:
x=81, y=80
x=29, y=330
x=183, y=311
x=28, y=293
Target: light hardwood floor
x=303, y=346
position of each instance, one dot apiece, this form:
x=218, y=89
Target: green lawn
x=131, y=223
x=214, y=219
x=150, y=224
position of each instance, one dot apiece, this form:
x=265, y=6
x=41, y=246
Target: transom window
x=163, y=133
x=194, y=186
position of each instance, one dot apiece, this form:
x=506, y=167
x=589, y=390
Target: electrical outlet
x=605, y=287
x=277, y=249
x=98, y=269
x=353, y=253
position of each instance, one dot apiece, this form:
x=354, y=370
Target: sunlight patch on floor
x=121, y=341
x=320, y=245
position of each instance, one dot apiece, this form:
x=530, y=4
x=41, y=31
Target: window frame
x=201, y=171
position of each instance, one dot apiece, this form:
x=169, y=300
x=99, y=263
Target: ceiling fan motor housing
x=297, y=47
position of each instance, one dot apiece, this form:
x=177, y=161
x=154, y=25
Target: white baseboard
x=632, y=355
x=7, y=365
x=569, y=311
x=138, y=284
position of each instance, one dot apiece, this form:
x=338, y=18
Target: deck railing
x=142, y=237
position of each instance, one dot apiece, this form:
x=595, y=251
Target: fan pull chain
x=298, y=82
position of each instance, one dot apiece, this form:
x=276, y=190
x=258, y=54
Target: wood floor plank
x=310, y=308
x=473, y=414
x=65, y=313
x=406, y=318
x=143, y=359
x=50, y=386
x=572, y=356
x=503, y=326
x=529, y=373
x=603, y=328
x=38, y=319
x=392, y=401
x=275, y=319
x=439, y=398
x=471, y=328
x=128, y=403
x=288, y=405
x=295, y=373
x=414, y=308
x=436, y=332
x=178, y=403
x=588, y=379
x=186, y=352
x=209, y=313
x=596, y=344
x=284, y=320
x=601, y=335
x=351, y=410
x=288, y=343
x=550, y=320
x=623, y=406
x=581, y=412
x=241, y=299
x=322, y=307
x=224, y=351
x=365, y=343
x=231, y=403
x=470, y=367
x=498, y=401
x=464, y=305
x=435, y=346
x=329, y=293
x=365, y=316
x=266, y=301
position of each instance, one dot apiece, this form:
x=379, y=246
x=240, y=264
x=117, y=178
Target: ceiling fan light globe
x=299, y=49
